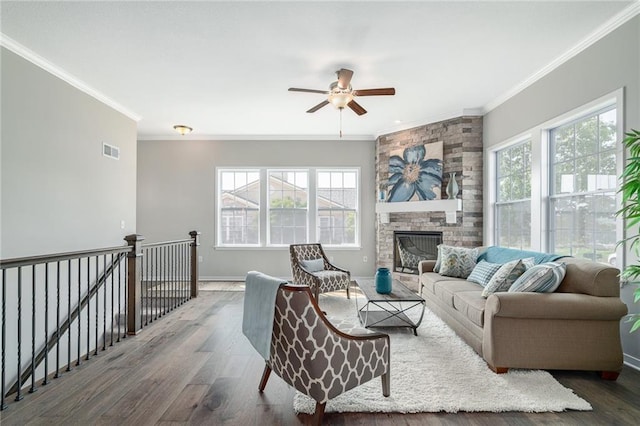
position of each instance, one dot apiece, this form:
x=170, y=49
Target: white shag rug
x=437, y=372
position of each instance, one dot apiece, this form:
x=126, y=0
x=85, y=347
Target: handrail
x=58, y=257
x=166, y=243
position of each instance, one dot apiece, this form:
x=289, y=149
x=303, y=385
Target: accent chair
x=311, y=266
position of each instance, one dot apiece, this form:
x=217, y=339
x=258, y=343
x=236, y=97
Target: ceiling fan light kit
x=341, y=94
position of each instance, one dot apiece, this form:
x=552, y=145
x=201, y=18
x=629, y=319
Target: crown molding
x=301, y=138
x=51, y=68
x=609, y=26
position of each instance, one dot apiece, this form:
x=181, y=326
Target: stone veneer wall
x=462, y=153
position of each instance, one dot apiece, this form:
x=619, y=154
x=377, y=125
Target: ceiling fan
x=341, y=94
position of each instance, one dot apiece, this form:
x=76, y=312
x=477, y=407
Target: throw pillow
x=529, y=262
x=504, y=277
x=313, y=265
x=542, y=278
x=483, y=272
x=457, y=262
x=436, y=267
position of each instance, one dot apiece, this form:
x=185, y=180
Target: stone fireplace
x=462, y=153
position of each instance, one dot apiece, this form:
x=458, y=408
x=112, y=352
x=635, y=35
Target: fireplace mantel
x=450, y=207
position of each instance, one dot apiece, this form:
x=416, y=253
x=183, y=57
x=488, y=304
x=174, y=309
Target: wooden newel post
x=195, y=235
x=134, y=283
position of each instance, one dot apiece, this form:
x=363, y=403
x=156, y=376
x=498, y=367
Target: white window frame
x=268, y=205
x=219, y=208
x=540, y=172
x=358, y=213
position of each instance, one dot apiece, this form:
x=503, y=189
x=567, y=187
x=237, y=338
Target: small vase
x=383, y=281
x=452, y=186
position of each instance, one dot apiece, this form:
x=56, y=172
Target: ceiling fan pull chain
x=341, y=121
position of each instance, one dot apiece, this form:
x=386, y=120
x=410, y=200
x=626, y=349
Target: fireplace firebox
x=410, y=247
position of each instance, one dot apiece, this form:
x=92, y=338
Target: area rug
x=437, y=372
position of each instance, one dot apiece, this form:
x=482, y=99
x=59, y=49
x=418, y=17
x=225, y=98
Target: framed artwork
x=415, y=173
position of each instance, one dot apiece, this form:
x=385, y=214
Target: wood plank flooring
x=194, y=366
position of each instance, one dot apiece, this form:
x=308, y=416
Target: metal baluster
x=104, y=303
x=119, y=297
x=155, y=287
x=88, y=356
x=33, y=329
x=147, y=285
x=58, y=321
x=171, y=278
x=19, y=384
x=97, y=294
x=150, y=252
x=46, y=324
x=166, y=277
x=113, y=272
x=126, y=295
x=79, y=310
x=4, y=336
x=69, y=315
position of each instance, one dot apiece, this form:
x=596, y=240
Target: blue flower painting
x=417, y=174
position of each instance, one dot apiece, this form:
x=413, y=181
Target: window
x=239, y=207
x=582, y=193
x=337, y=206
x=288, y=207
x=302, y=205
x=513, y=196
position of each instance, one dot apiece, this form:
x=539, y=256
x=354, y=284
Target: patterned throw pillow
x=313, y=265
x=504, y=278
x=542, y=278
x=528, y=262
x=436, y=267
x=457, y=262
x=483, y=272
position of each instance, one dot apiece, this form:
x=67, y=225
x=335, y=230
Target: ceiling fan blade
x=344, y=78
x=375, y=92
x=295, y=89
x=357, y=108
x=320, y=105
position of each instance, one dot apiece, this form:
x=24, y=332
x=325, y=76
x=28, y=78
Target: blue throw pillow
x=543, y=278
x=313, y=265
x=483, y=272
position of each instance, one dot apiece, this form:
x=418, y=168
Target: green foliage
x=630, y=211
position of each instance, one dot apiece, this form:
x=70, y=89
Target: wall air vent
x=110, y=151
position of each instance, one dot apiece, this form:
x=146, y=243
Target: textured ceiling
x=224, y=68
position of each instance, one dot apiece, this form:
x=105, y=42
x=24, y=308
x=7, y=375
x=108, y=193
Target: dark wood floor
x=195, y=367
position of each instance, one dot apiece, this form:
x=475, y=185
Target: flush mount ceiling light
x=182, y=129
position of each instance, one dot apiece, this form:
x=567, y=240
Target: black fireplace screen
x=410, y=247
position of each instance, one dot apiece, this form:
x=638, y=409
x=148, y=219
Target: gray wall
x=176, y=194
x=611, y=63
x=58, y=192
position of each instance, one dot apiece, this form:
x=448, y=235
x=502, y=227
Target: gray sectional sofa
x=577, y=327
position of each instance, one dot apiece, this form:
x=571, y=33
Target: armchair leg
x=386, y=384
x=317, y=416
x=265, y=377
x=348, y=285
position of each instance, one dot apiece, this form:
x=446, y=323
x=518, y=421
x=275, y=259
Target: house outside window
x=582, y=186
x=513, y=196
x=288, y=206
x=239, y=207
x=337, y=207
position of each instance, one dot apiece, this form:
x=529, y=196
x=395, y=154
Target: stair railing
x=82, y=298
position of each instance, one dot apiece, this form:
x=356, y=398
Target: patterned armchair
x=317, y=359
x=310, y=266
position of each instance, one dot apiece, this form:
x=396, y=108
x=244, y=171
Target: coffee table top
x=399, y=292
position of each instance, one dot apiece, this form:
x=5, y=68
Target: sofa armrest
x=569, y=306
x=426, y=266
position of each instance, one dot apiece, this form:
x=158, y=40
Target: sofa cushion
x=457, y=262
x=504, y=278
x=445, y=289
x=428, y=280
x=471, y=304
x=483, y=272
x=543, y=278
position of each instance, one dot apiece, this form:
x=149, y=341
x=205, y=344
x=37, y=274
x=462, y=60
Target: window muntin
x=288, y=206
x=513, y=196
x=582, y=193
x=239, y=207
x=337, y=206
